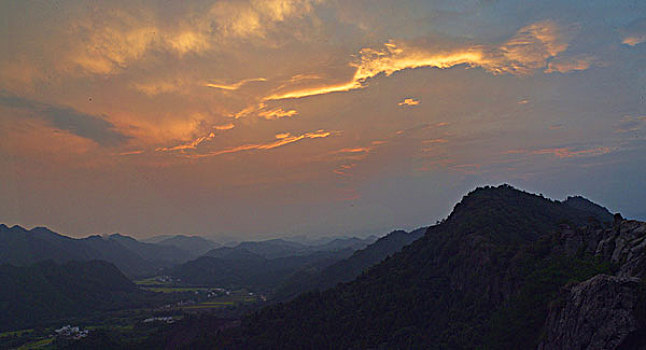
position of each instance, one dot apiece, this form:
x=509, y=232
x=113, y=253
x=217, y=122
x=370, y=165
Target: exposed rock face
x=601, y=313
x=623, y=244
x=597, y=314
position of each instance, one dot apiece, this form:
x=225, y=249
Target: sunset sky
x=254, y=119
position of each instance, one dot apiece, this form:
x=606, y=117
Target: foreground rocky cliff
x=605, y=311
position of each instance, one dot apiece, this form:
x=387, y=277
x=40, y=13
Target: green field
x=38, y=344
x=175, y=289
x=19, y=333
x=235, y=298
x=151, y=282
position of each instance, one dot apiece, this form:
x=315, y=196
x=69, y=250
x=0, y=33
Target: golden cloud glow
x=122, y=37
x=316, y=91
x=564, y=65
x=234, y=86
x=223, y=127
x=277, y=114
x=191, y=145
x=435, y=141
x=254, y=18
x=564, y=152
x=188, y=41
x=281, y=140
x=409, y=102
x=529, y=49
x=198, y=141
x=355, y=150
x=156, y=88
x=262, y=111
x=131, y=153
x=634, y=40
x=524, y=53
x=343, y=169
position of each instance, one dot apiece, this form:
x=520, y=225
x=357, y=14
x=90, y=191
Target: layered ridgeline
x=47, y=291
x=19, y=246
x=313, y=278
x=507, y=269
x=195, y=245
x=263, y=265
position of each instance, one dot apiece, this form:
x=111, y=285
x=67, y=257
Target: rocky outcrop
x=602, y=312
x=623, y=244
x=595, y=314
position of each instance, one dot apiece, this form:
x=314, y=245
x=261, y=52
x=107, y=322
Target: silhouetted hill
x=157, y=254
x=578, y=202
x=195, y=245
x=240, y=268
x=483, y=278
x=265, y=264
x=347, y=269
x=19, y=246
x=47, y=291
x=280, y=248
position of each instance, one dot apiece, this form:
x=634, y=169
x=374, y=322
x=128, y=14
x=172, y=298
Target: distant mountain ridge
x=263, y=265
x=195, y=245
x=280, y=248
x=244, y=269
x=19, y=246
x=349, y=268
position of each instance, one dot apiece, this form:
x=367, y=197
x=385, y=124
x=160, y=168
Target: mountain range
x=263, y=265
x=506, y=270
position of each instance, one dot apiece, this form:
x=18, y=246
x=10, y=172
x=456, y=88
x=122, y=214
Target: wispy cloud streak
x=234, y=86
x=281, y=140
x=526, y=52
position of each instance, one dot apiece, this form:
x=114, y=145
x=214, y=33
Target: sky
x=252, y=119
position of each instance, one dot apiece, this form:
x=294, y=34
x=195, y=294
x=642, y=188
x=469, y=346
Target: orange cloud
x=120, y=37
x=634, y=40
x=524, y=53
x=224, y=127
x=281, y=140
x=564, y=152
x=355, y=150
x=234, y=86
x=190, y=145
x=253, y=19
x=409, y=102
x=569, y=153
x=316, y=91
x=198, y=141
x=435, y=141
x=261, y=111
x=157, y=87
x=277, y=113
x=130, y=153
x=635, y=33
x=568, y=64
x=342, y=170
